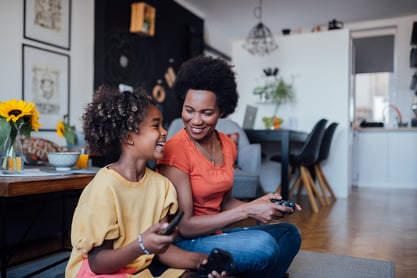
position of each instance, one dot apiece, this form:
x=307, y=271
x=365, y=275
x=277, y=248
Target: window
x=373, y=74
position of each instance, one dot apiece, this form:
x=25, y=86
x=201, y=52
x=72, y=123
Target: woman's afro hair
x=211, y=74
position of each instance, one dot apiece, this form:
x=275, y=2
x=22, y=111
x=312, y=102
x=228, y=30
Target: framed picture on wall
x=46, y=76
x=48, y=22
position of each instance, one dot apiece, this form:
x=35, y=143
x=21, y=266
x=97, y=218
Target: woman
x=199, y=161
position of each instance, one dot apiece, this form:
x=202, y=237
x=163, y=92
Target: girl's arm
x=104, y=259
x=176, y=257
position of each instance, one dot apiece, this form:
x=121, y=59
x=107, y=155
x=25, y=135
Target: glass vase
x=12, y=156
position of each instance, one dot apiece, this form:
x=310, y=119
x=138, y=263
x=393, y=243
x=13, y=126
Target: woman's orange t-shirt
x=209, y=183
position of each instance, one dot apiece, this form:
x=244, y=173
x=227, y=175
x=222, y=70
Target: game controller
x=218, y=260
x=285, y=203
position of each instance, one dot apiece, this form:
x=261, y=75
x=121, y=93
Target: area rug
x=306, y=264
x=309, y=264
x=25, y=269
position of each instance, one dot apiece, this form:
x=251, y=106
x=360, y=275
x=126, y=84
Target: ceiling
x=234, y=18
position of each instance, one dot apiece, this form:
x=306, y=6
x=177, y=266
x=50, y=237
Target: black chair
x=304, y=158
x=323, y=155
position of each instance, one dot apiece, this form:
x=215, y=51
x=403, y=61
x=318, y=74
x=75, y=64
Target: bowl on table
x=63, y=161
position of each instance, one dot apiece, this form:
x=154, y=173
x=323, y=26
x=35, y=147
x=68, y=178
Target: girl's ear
x=128, y=140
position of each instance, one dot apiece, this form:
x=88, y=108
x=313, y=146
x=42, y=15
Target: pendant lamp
x=260, y=40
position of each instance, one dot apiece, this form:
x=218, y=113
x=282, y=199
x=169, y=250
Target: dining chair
x=302, y=159
x=323, y=155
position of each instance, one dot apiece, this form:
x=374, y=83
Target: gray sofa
x=246, y=177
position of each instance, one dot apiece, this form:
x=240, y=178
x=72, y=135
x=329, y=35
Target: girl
x=116, y=224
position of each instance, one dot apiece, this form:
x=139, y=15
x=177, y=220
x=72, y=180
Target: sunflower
x=60, y=129
x=18, y=114
x=13, y=110
x=64, y=129
x=35, y=120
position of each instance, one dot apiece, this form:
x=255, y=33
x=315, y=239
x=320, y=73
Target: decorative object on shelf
x=260, y=40
x=17, y=119
x=142, y=19
x=275, y=91
x=67, y=131
x=335, y=24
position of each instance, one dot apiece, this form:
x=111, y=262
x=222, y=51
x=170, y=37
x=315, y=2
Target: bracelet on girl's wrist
x=146, y=251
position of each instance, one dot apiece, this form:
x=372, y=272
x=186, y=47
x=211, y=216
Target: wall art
x=46, y=76
x=48, y=21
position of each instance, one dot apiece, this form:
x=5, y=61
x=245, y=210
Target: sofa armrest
x=249, y=158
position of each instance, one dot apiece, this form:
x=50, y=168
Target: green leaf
x=25, y=130
x=70, y=138
x=5, y=129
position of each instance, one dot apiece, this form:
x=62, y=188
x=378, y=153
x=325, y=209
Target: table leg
x=285, y=152
x=3, y=238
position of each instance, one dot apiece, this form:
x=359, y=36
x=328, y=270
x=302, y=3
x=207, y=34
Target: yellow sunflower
x=13, y=110
x=35, y=120
x=18, y=115
x=67, y=131
x=60, y=129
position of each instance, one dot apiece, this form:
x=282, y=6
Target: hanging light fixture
x=260, y=40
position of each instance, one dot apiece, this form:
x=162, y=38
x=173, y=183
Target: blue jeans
x=260, y=250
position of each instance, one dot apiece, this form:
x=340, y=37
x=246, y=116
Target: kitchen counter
x=385, y=157
x=386, y=129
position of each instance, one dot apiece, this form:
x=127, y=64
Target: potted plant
x=275, y=91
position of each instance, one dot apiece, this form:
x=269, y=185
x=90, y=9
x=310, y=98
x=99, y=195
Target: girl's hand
x=214, y=274
x=154, y=242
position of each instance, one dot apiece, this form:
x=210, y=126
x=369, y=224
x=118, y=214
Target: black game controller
x=285, y=203
x=218, y=260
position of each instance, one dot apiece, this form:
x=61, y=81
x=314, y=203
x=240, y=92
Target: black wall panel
x=140, y=61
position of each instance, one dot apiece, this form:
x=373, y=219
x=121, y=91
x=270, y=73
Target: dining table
x=32, y=182
x=282, y=138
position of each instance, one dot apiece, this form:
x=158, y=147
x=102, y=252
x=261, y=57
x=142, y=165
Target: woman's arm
x=192, y=226
x=233, y=210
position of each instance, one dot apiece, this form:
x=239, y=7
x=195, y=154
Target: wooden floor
x=371, y=223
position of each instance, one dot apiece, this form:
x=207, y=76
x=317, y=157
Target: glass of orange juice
x=82, y=162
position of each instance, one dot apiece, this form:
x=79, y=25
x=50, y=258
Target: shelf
x=142, y=19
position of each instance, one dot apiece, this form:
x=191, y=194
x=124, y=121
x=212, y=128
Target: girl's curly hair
x=212, y=74
x=110, y=116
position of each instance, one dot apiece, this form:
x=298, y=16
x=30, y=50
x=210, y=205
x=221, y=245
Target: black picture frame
x=46, y=82
x=49, y=23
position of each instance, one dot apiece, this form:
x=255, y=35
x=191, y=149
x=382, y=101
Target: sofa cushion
x=36, y=149
x=245, y=185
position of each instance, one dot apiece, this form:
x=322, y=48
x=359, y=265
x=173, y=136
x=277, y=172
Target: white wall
x=319, y=63
x=321, y=67
x=81, y=56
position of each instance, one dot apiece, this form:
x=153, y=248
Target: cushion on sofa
x=36, y=149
